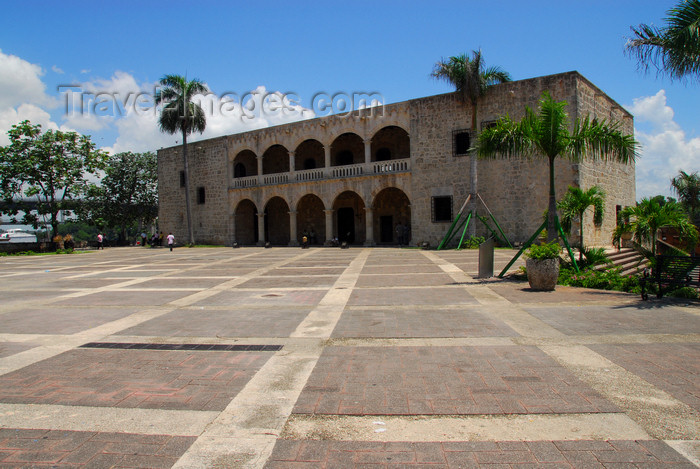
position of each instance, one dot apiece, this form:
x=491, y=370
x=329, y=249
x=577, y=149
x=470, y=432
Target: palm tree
x=180, y=114
x=687, y=186
x=547, y=134
x=575, y=203
x=673, y=49
x=648, y=216
x=471, y=80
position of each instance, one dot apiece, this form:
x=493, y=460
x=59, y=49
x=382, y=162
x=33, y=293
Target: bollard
x=486, y=259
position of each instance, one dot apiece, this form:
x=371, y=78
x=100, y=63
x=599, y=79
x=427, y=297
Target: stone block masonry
x=357, y=178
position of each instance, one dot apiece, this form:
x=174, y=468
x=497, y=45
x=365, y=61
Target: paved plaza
x=335, y=358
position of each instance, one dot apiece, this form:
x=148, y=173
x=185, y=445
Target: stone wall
x=515, y=190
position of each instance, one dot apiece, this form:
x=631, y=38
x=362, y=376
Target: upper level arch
x=245, y=164
x=275, y=160
x=390, y=143
x=309, y=154
x=346, y=149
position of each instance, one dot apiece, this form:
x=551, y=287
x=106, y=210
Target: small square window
x=442, y=209
x=201, y=196
x=182, y=179
x=461, y=142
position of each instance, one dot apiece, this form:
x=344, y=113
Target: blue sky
x=304, y=48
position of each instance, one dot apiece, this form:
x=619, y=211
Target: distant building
x=358, y=177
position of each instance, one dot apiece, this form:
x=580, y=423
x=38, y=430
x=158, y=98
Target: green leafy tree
x=546, y=134
x=575, y=203
x=49, y=169
x=673, y=49
x=126, y=195
x=180, y=114
x=648, y=216
x=687, y=186
x=471, y=80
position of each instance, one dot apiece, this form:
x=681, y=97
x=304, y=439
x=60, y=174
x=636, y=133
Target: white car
x=17, y=236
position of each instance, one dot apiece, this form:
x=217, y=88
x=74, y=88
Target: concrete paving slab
x=407, y=322
x=456, y=370
x=625, y=319
x=412, y=296
x=674, y=368
x=269, y=297
x=616, y=453
x=60, y=319
x=21, y=448
x=200, y=321
x=146, y=379
x=10, y=348
x=444, y=381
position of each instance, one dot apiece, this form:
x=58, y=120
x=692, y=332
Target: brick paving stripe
x=444, y=381
x=487, y=454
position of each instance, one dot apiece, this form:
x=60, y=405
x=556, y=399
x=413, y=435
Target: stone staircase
x=630, y=260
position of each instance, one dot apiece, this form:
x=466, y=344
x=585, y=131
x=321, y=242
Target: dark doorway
x=386, y=229
x=346, y=225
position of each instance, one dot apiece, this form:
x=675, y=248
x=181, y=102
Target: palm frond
x=674, y=49
x=468, y=75
x=179, y=113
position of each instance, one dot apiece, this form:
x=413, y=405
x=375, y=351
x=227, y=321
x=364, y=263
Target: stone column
x=369, y=226
x=329, y=225
x=259, y=159
x=233, y=228
x=327, y=167
x=368, y=151
x=261, y=229
x=293, y=228
x=292, y=169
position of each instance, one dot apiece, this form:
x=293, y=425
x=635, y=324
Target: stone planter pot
x=542, y=274
x=626, y=240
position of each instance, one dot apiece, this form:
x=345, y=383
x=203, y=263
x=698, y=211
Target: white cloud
x=665, y=147
x=24, y=95
x=121, y=105
x=10, y=116
x=21, y=83
x=139, y=131
x=57, y=69
x=99, y=104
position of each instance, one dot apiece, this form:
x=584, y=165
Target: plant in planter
x=543, y=266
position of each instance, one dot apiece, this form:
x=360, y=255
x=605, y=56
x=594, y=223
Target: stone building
x=357, y=177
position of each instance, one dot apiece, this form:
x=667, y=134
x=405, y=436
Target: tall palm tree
x=648, y=216
x=673, y=49
x=687, y=186
x=575, y=203
x=547, y=134
x=180, y=114
x=471, y=80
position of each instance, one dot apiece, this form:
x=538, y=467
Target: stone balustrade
x=335, y=172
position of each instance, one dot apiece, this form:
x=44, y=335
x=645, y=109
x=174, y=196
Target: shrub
x=473, y=242
x=544, y=251
x=685, y=292
x=601, y=279
x=595, y=256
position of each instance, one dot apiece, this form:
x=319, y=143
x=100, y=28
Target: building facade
x=384, y=175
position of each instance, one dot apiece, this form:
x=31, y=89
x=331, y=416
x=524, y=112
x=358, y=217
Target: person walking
x=100, y=241
x=171, y=241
